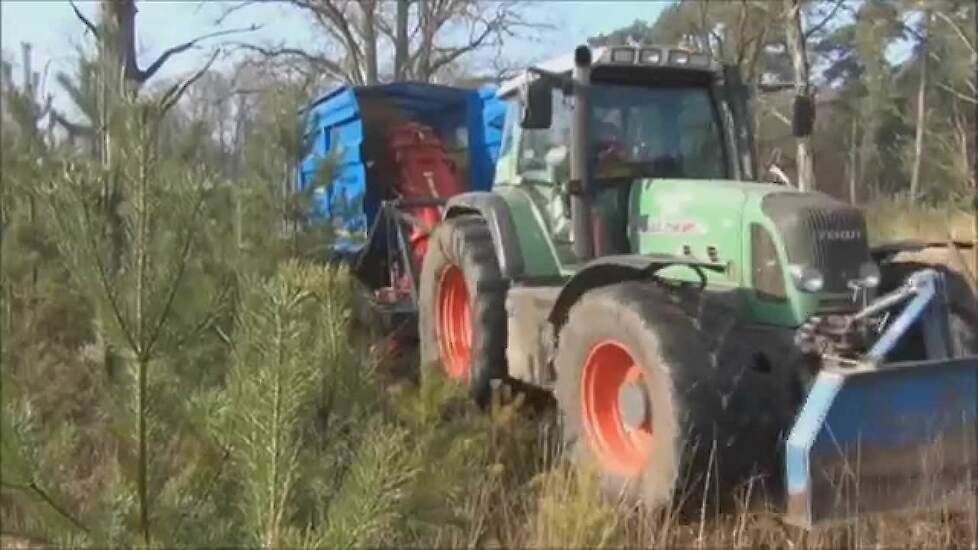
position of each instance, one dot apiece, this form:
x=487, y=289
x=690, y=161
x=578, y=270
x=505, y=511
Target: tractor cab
x=648, y=113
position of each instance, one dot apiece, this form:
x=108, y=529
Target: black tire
x=464, y=242
x=680, y=379
x=962, y=306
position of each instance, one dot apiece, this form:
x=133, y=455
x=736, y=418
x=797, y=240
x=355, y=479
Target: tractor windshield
x=636, y=132
x=663, y=132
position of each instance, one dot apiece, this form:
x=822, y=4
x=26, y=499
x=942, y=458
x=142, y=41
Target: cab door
x=545, y=180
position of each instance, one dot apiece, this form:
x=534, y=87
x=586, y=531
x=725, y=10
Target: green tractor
x=697, y=327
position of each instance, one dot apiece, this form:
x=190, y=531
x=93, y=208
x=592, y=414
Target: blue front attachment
x=876, y=437
x=872, y=440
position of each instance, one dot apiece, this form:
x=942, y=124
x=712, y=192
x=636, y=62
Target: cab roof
x=645, y=56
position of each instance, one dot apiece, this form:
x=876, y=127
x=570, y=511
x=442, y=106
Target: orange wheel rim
x=616, y=409
x=454, y=322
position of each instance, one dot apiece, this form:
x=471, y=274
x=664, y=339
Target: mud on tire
x=461, y=261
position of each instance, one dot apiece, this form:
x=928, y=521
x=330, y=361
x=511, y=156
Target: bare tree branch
x=960, y=95
x=232, y=9
x=88, y=23
x=502, y=23
x=279, y=52
x=959, y=31
x=440, y=32
x=821, y=24
x=146, y=74
x=174, y=94
x=451, y=54
x=333, y=18
x=71, y=127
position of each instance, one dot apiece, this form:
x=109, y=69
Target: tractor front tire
x=462, y=306
x=636, y=391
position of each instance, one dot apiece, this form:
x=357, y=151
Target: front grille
x=821, y=232
x=838, y=245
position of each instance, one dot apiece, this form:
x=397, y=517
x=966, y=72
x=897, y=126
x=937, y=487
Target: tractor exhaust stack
x=581, y=179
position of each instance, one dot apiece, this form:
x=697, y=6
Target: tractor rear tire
x=962, y=306
x=462, y=306
x=636, y=388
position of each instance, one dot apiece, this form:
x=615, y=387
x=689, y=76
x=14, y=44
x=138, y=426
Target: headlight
x=807, y=278
x=869, y=274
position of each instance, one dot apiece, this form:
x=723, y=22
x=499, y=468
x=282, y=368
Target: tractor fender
x=494, y=210
x=610, y=270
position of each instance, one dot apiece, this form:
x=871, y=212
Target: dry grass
x=897, y=219
x=892, y=220
x=545, y=502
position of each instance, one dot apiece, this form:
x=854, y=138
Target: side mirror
x=803, y=116
x=537, y=107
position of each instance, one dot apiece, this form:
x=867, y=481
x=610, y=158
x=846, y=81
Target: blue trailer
x=346, y=124
x=348, y=128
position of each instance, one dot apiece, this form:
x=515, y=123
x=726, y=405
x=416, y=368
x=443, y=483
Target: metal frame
x=392, y=219
x=927, y=302
x=861, y=419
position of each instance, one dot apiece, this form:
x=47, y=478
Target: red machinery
x=424, y=171
x=424, y=177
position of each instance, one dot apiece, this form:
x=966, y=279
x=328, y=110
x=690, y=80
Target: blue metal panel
x=877, y=439
x=485, y=123
x=333, y=120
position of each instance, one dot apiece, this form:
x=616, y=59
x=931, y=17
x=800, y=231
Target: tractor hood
x=712, y=220
x=699, y=218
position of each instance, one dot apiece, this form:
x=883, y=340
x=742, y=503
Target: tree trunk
x=852, y=163
x=401, y=40
x=796, y=46
x=974, y=202
x=369, y=32
x=918, y=150
x=427, y=40
x=119, y=16
x=237, y=144
x=34, y=140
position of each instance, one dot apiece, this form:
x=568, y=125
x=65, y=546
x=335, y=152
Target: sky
x=54, y=31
